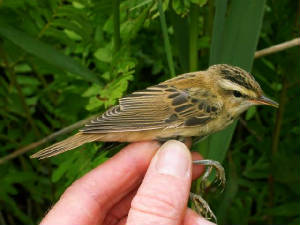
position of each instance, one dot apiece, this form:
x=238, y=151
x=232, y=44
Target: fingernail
x=173, y=159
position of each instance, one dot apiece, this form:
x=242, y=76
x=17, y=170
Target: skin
x=130, y=188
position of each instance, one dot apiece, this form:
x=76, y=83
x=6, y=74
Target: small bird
x=194, y=104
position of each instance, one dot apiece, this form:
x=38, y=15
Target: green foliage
x=45, y=52
x=62, y=61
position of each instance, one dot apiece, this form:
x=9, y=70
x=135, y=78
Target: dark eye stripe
x=237, y=94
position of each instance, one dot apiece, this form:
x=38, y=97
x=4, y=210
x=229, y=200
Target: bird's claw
x=202, y=207
x=220, y=179
x=200, y=204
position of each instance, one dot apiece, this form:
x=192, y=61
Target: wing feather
x=160, y=106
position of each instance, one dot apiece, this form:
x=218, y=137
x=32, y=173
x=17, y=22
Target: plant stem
x=277, y=48
x=49, y=138
x=275, y=141
x=166, y=38
x=116, y=19
x=194, y=13
x=279, y=116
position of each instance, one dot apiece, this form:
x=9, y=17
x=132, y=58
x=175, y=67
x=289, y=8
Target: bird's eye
x=237, y=94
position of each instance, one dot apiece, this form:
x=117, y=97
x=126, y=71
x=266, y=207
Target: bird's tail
x=66, y=145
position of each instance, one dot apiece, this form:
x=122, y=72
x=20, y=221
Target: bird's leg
x=201, y=205
x=220, y=174
x=204, y=177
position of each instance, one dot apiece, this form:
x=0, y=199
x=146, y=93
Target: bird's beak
x=263, y=100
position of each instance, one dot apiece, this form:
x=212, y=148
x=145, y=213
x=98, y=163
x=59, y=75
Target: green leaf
x=23, y=68
x=72, y=35
x=218, y=27
x=166, y=39
x=92, y=90
x=199, y=2
x=104, y=54
x=288, y=209
x=94, y=103
x=45, y=52
x=180, y=26
x=234, y=40
x=27, y=80
x=129, y=29
x=61, y=170
x=250, y=113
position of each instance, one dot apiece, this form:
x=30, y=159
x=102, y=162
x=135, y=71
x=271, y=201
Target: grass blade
x=193, y=43
x=235, y=45
x=218, y=28
x=116, y=18
x=181, y=40
x=166, y=38
x=235, y=37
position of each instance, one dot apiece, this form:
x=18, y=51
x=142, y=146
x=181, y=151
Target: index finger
x=87, y=200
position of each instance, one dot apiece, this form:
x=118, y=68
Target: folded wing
x=160, y=106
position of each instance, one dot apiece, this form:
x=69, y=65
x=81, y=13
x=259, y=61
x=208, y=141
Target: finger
x=123, y=221
x=121, y=208
x=163, y=195
x=87, y=200
x=192, y=218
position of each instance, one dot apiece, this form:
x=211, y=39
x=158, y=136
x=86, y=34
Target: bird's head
x=239, y=89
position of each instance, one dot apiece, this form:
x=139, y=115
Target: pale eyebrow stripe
x=229, y=85
x=235, y=77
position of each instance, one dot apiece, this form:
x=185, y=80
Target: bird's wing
x=161, y=106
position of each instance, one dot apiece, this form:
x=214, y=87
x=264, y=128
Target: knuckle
x=157, y=206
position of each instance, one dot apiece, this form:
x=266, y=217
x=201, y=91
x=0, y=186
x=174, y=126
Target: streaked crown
x=235, y=78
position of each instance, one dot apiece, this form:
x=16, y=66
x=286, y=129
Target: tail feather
x=66, y=145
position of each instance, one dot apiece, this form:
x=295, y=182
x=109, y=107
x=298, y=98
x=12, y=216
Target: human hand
x=119, y=192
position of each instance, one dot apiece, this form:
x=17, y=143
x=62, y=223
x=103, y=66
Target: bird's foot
x=202, y=207
x=220, y=179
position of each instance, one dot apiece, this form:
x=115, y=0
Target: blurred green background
x=62, y=61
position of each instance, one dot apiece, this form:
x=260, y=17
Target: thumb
x=163, y=195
